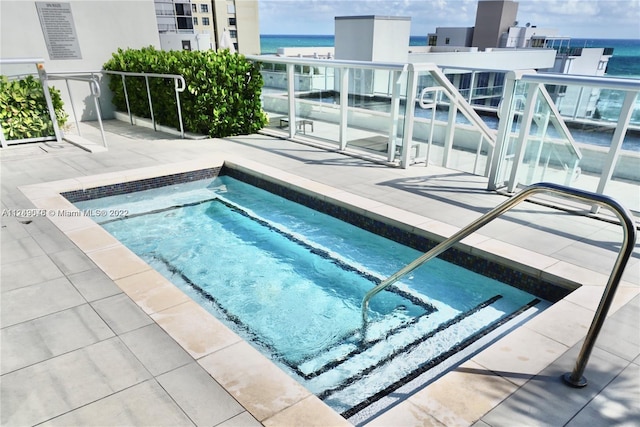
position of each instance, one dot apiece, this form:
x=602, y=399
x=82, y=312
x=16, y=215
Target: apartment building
x=202, y=24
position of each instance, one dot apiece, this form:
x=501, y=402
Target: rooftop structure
x=493, y=18
x=372, y=38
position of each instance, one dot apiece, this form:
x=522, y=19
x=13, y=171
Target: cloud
x=575, y=18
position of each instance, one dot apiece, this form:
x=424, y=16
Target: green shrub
x=23, y=109
x=222, y=96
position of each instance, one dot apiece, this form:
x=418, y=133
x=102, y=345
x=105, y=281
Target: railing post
x=153, y=120
x=410, y=108
x=175, y=86
x=47, y=96
x=291, y=90
x=395, y=109
x=449, y=133
x=503, y=138
x=73, y=107
x=344, y=107
x=126, y=98
x=94, y=85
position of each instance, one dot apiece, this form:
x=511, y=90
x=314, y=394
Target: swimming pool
x=308, y=319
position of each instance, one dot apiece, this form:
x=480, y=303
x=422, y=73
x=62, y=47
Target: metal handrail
x=94, y=87
x=179, y=86
x=574, y=378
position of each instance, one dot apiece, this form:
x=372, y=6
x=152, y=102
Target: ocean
x=625, y=61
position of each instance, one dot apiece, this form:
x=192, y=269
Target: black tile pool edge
x=533, y=285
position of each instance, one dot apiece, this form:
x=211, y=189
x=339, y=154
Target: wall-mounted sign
x=59, y=30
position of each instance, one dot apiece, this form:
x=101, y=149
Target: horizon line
x=417, y=35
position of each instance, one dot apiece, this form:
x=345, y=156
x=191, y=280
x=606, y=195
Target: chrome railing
x=574, y=378
x=179, y=86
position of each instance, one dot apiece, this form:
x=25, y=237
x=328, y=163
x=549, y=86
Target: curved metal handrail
x=574, y=378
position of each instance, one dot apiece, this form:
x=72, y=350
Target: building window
x=195, y=21
x=433, y=40
x=231, y=8
x=232, y=22
x=182, y=9
x=194, y=8
x=447, y=40
x=205, y=21
x=204, y=8
x=233, y=34
x=184, y=23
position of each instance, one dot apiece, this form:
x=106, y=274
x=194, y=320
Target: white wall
x=354, y=38
x=458, y=36
x=372, y=38
x=391, y=39
x=496, y=59
x=102, y=26
x=173, y=41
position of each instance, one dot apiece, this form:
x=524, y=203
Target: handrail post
x=344, y=107
x=95, y=91
x=73, y=107
x=47, y=97
x=576, y=377
x=126, y=98
x=153, y=120
x=175, y=85
x=395, y=110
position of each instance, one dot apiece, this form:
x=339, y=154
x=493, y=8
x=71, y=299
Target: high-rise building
x=493, y=18
x=202, y=24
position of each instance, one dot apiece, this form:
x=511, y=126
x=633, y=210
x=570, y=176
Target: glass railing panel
x=430, y=122
x=592, y=113
x=625, y=180
x=446, y=132
x=513, y=119
x=550, y=154
x=317, y=95
x=275, y=100
x=369, y=110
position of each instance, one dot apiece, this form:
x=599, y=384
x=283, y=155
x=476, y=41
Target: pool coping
x=268, y=393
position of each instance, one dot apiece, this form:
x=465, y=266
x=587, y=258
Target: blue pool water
x=291, y=281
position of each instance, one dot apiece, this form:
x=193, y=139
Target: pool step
x=370, y=371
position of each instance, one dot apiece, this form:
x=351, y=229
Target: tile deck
x=92, y=336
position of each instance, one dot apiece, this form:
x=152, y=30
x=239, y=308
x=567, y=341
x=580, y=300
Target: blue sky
x=573, y=18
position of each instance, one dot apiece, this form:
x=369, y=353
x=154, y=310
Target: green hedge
x=23, y=109
x=222, y=96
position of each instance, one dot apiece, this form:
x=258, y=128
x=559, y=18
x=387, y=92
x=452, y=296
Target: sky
x=574, y=18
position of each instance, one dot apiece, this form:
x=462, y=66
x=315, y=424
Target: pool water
x=291, y=281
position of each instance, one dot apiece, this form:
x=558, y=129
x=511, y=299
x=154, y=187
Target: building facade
x=202, y=24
